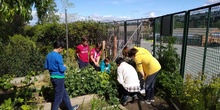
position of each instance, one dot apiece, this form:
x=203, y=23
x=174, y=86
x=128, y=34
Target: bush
x=200, y=95
x=169, y=81
x=20, y=57
x=88, y=81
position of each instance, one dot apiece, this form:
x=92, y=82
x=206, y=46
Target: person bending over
x=105, y=65
x=149, y=67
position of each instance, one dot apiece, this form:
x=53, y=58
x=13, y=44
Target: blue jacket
x=54, y=63
x=104, y=67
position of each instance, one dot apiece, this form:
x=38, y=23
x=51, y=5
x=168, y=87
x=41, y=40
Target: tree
x=50, y=16
x=9, y=8
x=15, y=14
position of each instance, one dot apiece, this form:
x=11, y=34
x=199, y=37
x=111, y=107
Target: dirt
x=159, y=104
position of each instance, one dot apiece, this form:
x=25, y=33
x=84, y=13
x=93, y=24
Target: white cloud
x=213, y=1
x=34, y=19
x=118, y=2
x=209, y=2
x=95, y=17
x=152, y=14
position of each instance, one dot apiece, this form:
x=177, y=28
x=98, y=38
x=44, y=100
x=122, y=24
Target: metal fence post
x=184, y=44
x=154, y=37
x=67, y=42
x=206, y=40
x=125, y=32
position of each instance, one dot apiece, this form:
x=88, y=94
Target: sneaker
x=126, y=100
x=75, y=107
x=152, y=100
x=142, y=91
x=135, y=97
x=147, y=101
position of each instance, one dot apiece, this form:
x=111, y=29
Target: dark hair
x=132, y=52
x=125, y=51
x=107, y=59
x=58, y=44
x=98, y=46
x=84, y=38
x=119, y=60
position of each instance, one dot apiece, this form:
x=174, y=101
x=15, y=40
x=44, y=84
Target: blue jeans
x=82, y=64
x=149, y=86
x=61, y=94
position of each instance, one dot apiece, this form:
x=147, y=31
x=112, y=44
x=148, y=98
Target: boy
x=54, y=63
x=82, y=52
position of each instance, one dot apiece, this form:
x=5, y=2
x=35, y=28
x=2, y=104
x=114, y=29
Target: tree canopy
x=23, y=8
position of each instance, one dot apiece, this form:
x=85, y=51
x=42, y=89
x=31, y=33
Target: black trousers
x=95, y=67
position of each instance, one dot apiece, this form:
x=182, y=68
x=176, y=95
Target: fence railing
x=197, y=32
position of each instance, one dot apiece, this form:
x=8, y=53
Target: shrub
x=88, y=81
x=169, y=81
x=200, y=95
x=20, y=57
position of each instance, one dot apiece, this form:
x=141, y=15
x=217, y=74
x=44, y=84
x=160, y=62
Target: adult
x=54, y=63
x=125, y=54
x=148, y=66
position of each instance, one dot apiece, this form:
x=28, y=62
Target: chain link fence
x=197, y=32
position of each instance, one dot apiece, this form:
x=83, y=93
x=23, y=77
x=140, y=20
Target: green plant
x=169, y=81
x=9, y=104
x=88, y=81
x=100, y=104
x=20, y=57
x=169, y=84
x=5, y=83
x=200, y=95
x=167, y=55
x=22, y=96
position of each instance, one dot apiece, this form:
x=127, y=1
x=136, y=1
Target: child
x=95, y=55
x=128, y=80
x=105, y=65
x=54, y=63
x=82, y=52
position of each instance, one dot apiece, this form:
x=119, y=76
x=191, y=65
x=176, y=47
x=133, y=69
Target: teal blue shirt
x=104, y=67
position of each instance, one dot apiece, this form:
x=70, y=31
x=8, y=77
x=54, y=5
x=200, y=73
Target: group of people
x=54, y=63
x=85, y=56
x=127, y=74
x=144, y=64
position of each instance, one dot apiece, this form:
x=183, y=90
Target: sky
x=117, y=10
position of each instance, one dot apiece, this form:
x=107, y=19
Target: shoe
x=126, y=100
x=147, y=101
x=75, y=107
x=152, y=100
x=135, y=97
x=142, y=91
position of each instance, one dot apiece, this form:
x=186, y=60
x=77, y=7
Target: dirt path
x=159, y=104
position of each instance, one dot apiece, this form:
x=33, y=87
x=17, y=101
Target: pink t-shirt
x=83, y=52
x=95, y=54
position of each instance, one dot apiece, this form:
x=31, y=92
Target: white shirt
x=127, y=75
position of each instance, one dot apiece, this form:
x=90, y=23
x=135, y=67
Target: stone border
x=79, y=100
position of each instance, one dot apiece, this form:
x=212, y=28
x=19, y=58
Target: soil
x=159, y=104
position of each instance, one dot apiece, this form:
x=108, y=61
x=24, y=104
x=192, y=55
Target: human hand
x=96, y=64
